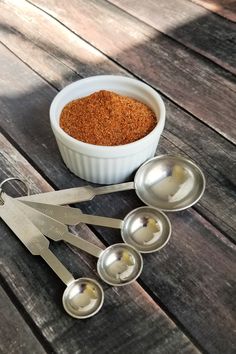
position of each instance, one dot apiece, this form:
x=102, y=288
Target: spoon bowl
x=169, y=183
x=147, y=229
x=119, y=264
x=83, y=298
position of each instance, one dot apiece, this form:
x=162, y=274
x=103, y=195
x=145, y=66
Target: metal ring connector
x=8, y=180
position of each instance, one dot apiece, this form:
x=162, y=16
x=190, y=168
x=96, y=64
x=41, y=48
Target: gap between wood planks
x=24, y=320
x=164, y=16
x=223, y=8
x=77, y=75
x=124, y=9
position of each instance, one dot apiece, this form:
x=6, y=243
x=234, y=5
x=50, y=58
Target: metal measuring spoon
x=145, y=228
x=82, y=297
x=166, y=182
x=119, y=264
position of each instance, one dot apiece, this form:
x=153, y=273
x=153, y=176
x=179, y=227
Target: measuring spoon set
x=166, y=182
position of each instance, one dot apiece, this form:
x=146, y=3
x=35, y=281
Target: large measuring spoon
x=145, y=228
x=82, y=297
x=119, y=264
x=166, y=182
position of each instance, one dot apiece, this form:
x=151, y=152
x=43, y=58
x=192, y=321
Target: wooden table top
x=184, y=301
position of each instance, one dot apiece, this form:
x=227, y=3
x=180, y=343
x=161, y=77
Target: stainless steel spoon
x=119, y=264
x=166, y=182
x=82, y=297
x=145, y=228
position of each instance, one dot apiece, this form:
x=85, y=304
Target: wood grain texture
x=206, y=147
x=192, y=277
x=29, y=26
x=225, y=8
x=190, y=25
x=15, y=335
x=188, y=79
x=136, y=322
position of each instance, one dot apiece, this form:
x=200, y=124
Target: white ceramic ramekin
x=106, y=164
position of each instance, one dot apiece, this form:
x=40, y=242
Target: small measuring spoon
x=166, y=182
x=119, y=264
x=82, y=297
x=145, y=228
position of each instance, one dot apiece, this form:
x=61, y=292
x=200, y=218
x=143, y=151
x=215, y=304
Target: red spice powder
x=106, y=118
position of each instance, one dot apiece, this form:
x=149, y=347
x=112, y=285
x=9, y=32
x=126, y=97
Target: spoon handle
x=31, y=237
x=114, y=188
x=56, y=230
x=82, y=244
x=75, y=195
x=73, y=216
x=58, y=268
x=26, y=231
x=61, y=197
x=101, y=221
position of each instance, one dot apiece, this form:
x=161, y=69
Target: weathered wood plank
x=34, y=56
x=190, y=25
x=225, y=8
x=188, y=79
x=71, y=62
x=15, y=335
x=191, y=277
x=126, y=311
x=218, y=202
x=77, y=54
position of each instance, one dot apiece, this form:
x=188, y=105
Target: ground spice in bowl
x=107, y=118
